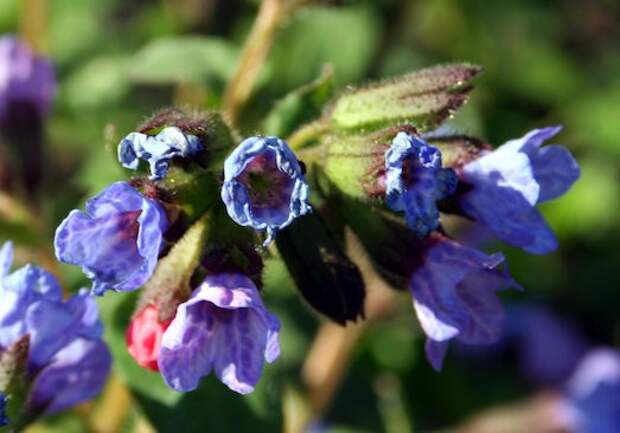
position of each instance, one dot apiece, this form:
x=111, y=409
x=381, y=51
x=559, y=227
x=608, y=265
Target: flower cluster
x=201, y=310
x=67, y=361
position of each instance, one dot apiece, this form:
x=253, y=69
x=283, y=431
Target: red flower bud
x=144, y=337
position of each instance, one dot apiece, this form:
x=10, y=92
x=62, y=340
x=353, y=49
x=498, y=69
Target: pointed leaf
x=326, y=277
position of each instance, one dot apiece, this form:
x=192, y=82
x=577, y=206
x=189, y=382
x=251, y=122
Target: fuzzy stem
x=33, y=24
x=253, y=57
x=307, y=133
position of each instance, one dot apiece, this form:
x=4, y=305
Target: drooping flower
x=144, y=337
x=224, y=327
x=415, y=181
x=68, y=362
x=116, y=241
x=454, y=295
x=264, y=185
x=25, y=78
x=592, y=395
x=503, y=187
x=157, y=150
x=4, y=420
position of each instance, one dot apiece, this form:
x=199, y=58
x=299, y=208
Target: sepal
x=424, y=98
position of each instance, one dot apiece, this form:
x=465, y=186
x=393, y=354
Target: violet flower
x=264, y=185
x=225, y=328
x=503, y=187
x=68, y=362
x=415, y=181
x=116, y=241
x=454, y=295
x=25, y=78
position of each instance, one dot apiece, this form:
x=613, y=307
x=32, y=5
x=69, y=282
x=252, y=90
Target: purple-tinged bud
x=423, y=98
x=116, y=241
x=264, y=185
x=224, y=327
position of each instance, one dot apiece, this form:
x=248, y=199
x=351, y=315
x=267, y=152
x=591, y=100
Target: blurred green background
x=546, y=62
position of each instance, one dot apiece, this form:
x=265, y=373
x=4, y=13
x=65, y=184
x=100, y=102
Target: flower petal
x=510, y=217
x=76, y=374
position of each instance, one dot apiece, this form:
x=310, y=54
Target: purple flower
x=116, y=241
x=453, y=289
x=415, y=181
x=158, y=150
x=24, y=78
x=4, y=420
x=592, y=395
x=548, y=347
x=223, y=327
x=264, y=186
x=503, y=187
x=67, y=361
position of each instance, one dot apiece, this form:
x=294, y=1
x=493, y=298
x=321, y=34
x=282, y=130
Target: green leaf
x=424, y=99
x=300, y=106
x=98, y=83
x=171, y=60
x=325, y=276
x=347, y=38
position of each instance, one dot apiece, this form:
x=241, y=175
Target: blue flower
x=158, y=150
x=68, y=362
x=116, y=241
x=592, y=395
x=24, y=78
x=264, y=186
x=503, y=187
x=223, y=327
x=454, y=295
x=415, y=181
x=4, y=420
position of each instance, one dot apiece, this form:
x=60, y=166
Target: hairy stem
x=253, y=57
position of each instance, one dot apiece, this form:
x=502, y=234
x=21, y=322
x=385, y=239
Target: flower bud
x=144, y=337
x=423, y=98
x=356, y=163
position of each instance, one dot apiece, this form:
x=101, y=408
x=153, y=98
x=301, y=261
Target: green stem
x=308, y=133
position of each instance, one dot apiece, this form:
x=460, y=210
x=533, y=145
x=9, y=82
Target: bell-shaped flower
x=225, y=328
x=25, y=78
x=454, y=295
x=157, y=150
x=264, y=185
x=415, y=181
x=503, y=186
x=116, y=241
x=68, y=362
